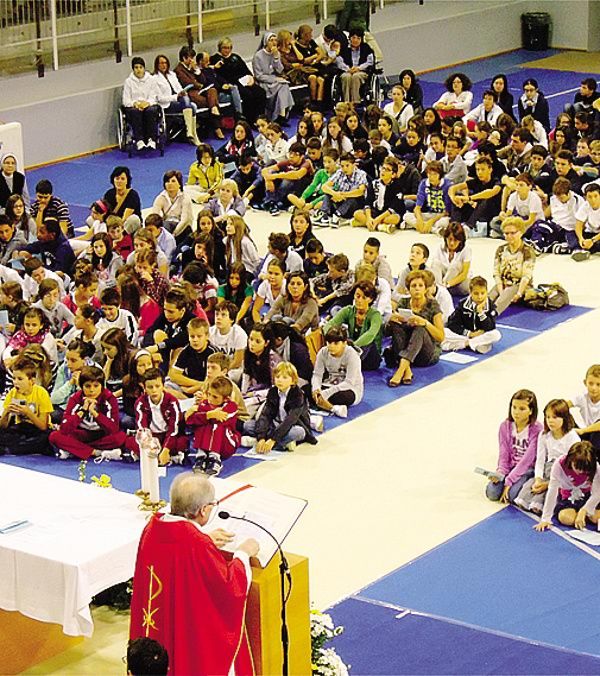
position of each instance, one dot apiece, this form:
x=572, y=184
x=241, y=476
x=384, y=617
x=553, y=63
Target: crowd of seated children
x=192, y=297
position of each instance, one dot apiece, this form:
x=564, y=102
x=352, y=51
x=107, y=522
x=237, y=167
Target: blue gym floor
x=499, y=598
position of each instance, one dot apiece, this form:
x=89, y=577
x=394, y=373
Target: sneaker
x=321, y=218
x=274, y=210
x=213, y=465
x=200, y=462
x=178, y=458
x=140, y=145
x=560, y=248
x=454, y=344
x=111, y=454
x=334, y=221
x=580, y=255
x=248, y=441
x=316, y=422
x=63, y=455
x=340, y=410
x=151, y=144
x=291, y=447
x=344, y=222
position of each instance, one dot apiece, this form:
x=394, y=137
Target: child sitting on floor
x=337, y=380
x=518, y=438
x=284, y=420
x=158, y=411
x=90, y=426
x=189, y=370
x=214, y=420
x=574, y=489
x=556, y=440
x=473, y=324
x=26, y=414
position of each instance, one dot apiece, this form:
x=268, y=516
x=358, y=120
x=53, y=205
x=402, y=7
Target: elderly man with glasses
x=186, y=594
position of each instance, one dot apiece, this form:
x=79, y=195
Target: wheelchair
x=371, y=90
x=125, y=133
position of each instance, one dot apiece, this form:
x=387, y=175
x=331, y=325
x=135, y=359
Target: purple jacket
x=512, y=469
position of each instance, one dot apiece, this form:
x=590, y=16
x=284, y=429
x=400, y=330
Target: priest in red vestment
x=186, y=594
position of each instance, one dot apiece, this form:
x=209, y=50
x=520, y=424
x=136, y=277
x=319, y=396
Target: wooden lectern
x=263, y=618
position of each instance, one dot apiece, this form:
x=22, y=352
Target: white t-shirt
x=230, y=342
x=402, y=117
x=520, y=441
x=549, y=449
x=531, y=204
x=441, y=259
x=445, y=302
x=565, y=214
x=590, y=412
x=589, y=216
x=266, y=293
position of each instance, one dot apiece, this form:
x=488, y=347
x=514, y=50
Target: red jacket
x=108, y=413
x=171, y=412
x=213, y=436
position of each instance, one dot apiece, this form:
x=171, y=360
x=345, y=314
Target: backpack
x=547, y=297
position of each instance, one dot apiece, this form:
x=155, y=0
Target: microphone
x=284, y=572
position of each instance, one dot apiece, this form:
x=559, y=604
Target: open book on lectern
x=276, y=512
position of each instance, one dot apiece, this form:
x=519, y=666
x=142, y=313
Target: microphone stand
x=284, y=572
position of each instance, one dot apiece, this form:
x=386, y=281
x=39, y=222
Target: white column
x=200, y=33
x=324, y=10
x=128, y=27
x=54, y=34
x=267, y=15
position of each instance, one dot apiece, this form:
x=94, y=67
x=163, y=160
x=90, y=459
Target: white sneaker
x=178, y=458
x=316, y=422
x=340, y=410
x=140, y=145
x=344, y=222
x=482, y=349
x=454, y=344
x=63, y=455
x=248, y=441
x=111, y=454
x=334, y=221
x=151, y=144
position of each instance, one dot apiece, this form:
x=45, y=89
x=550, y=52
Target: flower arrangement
x=325, y=661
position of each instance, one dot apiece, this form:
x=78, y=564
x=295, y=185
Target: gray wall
x=72, y=111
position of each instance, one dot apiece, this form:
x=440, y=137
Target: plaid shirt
x=343, y=183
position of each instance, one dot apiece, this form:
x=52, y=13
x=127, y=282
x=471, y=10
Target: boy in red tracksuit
x=159, y=411
x=214, y=421
x=90, y=425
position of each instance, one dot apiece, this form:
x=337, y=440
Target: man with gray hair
x=186, y=594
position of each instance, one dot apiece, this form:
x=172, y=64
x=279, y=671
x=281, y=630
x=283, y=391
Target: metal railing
x=35, y=33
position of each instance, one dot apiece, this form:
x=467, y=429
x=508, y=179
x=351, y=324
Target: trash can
x=535, y=30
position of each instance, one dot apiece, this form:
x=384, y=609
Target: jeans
x=296, y=433
x=494, y=491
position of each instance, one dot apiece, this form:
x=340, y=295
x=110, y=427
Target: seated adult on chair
x=355, y=62
x=173, y=98
x=140, y=101
x=200, y=93
x=233, y=69
x=268, y=71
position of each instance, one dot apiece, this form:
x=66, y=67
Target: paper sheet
x=269, y=457
x=590, y=537
x=458, y=358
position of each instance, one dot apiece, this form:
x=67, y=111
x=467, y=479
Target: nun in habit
x=268, y=71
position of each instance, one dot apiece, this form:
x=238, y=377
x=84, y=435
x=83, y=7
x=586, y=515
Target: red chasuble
x=187, y=596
